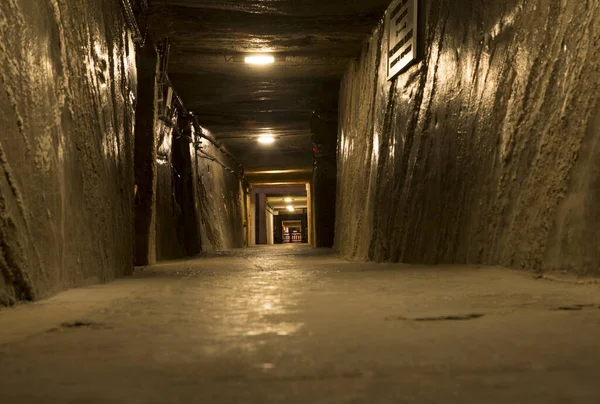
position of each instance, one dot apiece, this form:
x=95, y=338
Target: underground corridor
x=279, y=201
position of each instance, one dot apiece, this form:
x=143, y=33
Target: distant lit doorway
x=291, y=228
x=292, y=231
x=272, y=205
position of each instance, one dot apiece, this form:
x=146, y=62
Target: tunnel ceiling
x=312, y=41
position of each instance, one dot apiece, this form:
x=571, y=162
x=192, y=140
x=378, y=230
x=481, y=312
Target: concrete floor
x=296, y=325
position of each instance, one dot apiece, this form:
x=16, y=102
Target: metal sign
x=401, y=25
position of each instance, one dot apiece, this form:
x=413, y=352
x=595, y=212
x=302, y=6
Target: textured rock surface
x=68, y=81
x=484, y=151
x=221, y=200
x=187, y=201
x=200, y=204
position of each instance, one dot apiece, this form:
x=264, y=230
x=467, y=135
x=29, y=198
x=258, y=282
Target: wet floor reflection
x=263, y=305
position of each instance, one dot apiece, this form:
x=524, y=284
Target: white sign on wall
x=401, y=25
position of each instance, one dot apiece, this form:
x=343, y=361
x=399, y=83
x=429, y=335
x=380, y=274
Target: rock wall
x=200, y=202
x=68, y=87
x=485, y=151
x=188, y=197
x=220, y=199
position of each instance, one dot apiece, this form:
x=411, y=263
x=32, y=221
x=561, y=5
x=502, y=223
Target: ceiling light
x=266, y=139
x=288, y=200
x=290, y=208
x=259, y=60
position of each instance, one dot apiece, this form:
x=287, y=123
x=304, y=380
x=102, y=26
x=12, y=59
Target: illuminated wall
x=485, y=151
x=220, y=199
x=68, y=89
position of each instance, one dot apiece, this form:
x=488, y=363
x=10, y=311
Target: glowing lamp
x=266, y=139
x=259, y=60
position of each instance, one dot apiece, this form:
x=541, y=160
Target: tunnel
x=299, y=201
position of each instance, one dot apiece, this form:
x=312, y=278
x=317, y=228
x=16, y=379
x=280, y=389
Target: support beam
x=185, y=190
x=324, y=179
x=261, y=218
x=145, y=156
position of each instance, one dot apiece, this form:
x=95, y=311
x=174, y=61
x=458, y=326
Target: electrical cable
x=131, y=21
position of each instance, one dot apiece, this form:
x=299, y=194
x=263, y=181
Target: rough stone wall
x=68, y=84
x=485, y=151
x=220, y=200
x=187, y=202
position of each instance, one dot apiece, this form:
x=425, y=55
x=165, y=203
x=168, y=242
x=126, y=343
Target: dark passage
x=257, y=201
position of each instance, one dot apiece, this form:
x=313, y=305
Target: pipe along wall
x=67, y=110
x=487, y=150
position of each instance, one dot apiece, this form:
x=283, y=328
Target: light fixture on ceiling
x=260, y=59
x=266, y=139
x=288, y=200
x=290, y=208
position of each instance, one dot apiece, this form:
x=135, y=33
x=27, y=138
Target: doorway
x=280, y=214
x=291, y=228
